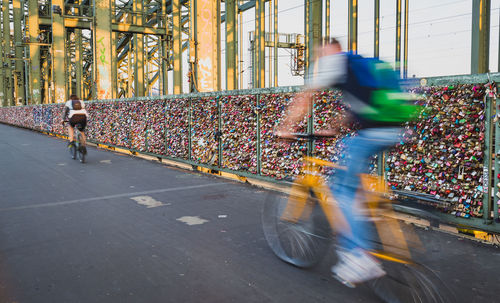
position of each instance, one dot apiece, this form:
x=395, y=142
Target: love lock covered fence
x=445, y=159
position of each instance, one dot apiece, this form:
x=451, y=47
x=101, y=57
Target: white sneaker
x=356, y=267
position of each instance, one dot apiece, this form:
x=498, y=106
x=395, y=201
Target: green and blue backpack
x=376, y=85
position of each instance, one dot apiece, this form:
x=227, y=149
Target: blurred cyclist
x=335, y=68
x=75, y=113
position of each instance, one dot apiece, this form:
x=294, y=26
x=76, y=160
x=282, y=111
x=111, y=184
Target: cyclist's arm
x=296, y=111
x=325, y=72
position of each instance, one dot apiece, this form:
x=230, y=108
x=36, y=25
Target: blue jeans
x=359, y=149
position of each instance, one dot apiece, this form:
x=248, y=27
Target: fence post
x=488, y=140
x=380, y=165
x=310, y=127
x=496, y=150
x=219, y=131
x=190, y=126
x=259, y=152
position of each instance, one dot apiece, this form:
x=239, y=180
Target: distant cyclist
x=76, y=115
x=379, y=114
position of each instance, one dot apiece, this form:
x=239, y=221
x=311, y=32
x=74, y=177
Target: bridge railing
x=445, y=157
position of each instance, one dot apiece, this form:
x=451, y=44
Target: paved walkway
x=138, y=231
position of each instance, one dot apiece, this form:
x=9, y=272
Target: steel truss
x=101, y=49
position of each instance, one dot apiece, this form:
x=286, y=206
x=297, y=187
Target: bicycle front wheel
x=302, y=242
x=410, y=283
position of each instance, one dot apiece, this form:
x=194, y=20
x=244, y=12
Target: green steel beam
x=78, y=67
x=270, y=26
x=58, y=56
x=376, y=40
x=480, y=46
x=70, y=43
x=275, y=40
x=177, y=44
x=398, y=36
x=192, y=44
x=231, y=45
x=46, y=88
x=114, y=65
x=259, y=65
x=131, y=75
x=353, y=26
x=327, y=19
x=315, y=28
x=19, y=53
x=461, y=79
x=306, y=35
x=7, y=67
x=207, y=41
x=139, y=79
x=237, y=33
x=164, y=51
x=3, y=102
x=134, y=28
x=262, y=48
x=240, y=61
x=102, y=52
x=139, y=84
x=405, y=54
x=116, y=27
x=241, y=8
x=34, y=50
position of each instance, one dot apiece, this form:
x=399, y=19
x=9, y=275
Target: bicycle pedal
x=345, y=282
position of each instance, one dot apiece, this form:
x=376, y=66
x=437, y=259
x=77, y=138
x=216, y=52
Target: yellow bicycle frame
x=373, y=188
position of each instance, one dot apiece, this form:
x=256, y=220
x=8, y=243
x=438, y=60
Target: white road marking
x=147, y=201
x=105, y=161
x=102, y=198
x=192, y=220
x=61, y=164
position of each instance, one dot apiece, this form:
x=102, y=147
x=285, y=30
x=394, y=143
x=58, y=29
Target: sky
x=439, y=35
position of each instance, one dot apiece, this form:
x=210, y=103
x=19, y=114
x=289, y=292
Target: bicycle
x=299, y=229
x=76, y=148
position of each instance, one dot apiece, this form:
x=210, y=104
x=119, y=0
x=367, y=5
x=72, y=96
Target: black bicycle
x=76, y=148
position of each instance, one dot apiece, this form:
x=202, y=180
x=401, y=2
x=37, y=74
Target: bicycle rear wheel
x=302, y=243
x=72, y=151
x=81, y=155
x=410, y=283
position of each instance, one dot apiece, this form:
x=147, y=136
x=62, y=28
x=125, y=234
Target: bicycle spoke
x=410, y=283
x=302, y=243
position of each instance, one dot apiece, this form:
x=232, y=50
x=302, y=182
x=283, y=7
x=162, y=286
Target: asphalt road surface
x=123, y=229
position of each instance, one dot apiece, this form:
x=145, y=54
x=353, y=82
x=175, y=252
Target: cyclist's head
x=330, y=46
x=333, y=45
x=74, y=97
